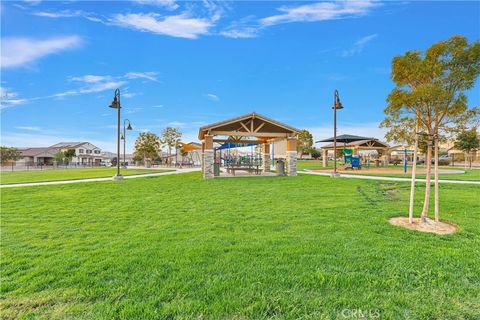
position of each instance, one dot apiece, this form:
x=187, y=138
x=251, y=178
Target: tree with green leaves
x=304, y=142
x=429, y=96
x=147, y=146
x=315, y=153
x=68, y=155
x=468, y=141
x=59, y=157
x=9, y=153
x=170, y=139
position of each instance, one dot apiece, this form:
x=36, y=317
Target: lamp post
x=124, y=138
x=116, y=105
x=336, y=105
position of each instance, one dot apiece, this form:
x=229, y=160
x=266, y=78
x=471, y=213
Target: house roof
x=70, y=144
x=260, y=123
x=33, y=152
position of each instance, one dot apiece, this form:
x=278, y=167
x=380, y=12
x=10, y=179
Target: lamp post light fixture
x=336, y=105
x=124, y=138
x=116, y=105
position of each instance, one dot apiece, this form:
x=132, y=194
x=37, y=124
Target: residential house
x=36, y=156
x=85, y=152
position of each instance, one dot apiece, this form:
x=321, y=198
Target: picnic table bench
x=232, y=169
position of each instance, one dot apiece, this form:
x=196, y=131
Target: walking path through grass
x=358, y=176
x=128, y=174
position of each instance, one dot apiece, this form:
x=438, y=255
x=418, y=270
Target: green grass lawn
x=469, y=175
x=7, y=177
x=240, y=248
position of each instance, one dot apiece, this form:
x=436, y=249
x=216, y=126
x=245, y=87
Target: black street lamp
x=124, y=138
x=116, y=105
x=336, y=105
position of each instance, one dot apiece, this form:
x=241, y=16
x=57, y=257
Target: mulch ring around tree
x=429, y=226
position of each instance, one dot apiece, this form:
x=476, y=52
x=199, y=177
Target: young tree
x=9, y=153
x=170, y=139
x=304, y=142
x=69, y=154
x=429, y=88
x=147, y=146
x=59, y=157
x=456, y=66
x=468, y=141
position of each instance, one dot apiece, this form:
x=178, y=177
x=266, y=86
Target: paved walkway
x=31, y=184
x=358, y=176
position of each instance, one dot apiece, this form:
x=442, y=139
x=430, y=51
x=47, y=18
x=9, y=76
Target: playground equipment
x=405, y=152
x=251, y=162
x=350, y=161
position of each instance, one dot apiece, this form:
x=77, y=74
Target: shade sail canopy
x=229, y=145
x=187, y=147
x=346, y=138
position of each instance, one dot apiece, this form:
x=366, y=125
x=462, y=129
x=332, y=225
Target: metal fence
x=36, y=167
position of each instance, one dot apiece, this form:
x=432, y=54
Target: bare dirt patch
x=430, y=226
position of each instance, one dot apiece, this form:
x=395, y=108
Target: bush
x=443, y=162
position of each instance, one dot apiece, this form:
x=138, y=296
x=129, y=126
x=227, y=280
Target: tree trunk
x=470, y=159
x=436, y=178
x=414, y=170
x=426, y=202
x=465, y=161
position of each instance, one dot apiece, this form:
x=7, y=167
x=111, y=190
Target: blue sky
x=186, y=64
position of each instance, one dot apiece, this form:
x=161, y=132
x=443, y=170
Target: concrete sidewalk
x=358, y=176
x=32, y=184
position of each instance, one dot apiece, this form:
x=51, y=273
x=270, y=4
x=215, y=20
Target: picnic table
x=249, y=168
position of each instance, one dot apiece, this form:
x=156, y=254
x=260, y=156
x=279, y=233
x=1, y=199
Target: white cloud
x=9, y=98
x=359, y=45
x=168, y=4
x=91, y=88
x=212, y=97
x=158, y=106
x=320, y=11
x=59, y=14
x=242, y=32
x=176, y=124
x=91, y=78
x=32, y=2
x=27, y=128
x=129, y=94
x=182, y=25
x=142, y=75
x=16, y=52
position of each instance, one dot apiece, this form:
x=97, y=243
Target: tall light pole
x=336, y=105
x=116, y=105
x=124, y=138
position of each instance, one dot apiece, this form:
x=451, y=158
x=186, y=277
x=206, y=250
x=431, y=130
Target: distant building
x=36, y=156
x=85, y=153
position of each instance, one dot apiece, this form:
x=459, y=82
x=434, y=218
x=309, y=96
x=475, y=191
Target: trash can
x=216, y=169
x=280, y=168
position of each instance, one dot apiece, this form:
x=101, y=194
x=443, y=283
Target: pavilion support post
x=208, y=157
x=291, y=157
x=325, y=158
x=202, y=155
x=266, y=157
x=386, y=156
